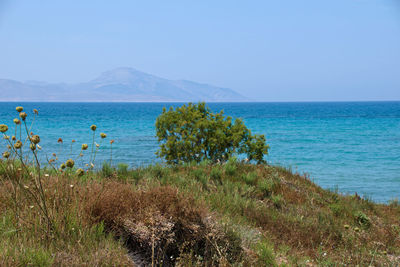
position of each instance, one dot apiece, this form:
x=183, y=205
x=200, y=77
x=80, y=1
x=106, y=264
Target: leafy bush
x=193, y=133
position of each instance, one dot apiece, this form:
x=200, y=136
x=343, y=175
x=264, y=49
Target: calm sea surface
x=352, y=146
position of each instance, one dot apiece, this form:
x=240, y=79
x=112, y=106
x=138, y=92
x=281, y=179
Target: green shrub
x=216, y=174
x=193, y=133
x=362, y=219
x=122, y=169
x=278, y=201
x=250, y=178
x=265, y=254
x=266, y=186
x=107, y=170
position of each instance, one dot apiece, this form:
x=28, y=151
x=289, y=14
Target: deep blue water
x=354, y=146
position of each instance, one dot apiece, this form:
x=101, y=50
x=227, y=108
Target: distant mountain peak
x=122, y=84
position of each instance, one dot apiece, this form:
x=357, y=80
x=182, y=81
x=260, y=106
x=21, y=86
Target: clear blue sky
x=282, y=50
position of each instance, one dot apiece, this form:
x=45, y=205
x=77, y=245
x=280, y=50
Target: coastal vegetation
x=209, y=211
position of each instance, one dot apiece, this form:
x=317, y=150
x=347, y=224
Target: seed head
x=80, y=172
x=32, y=147
x=35, y=139
x=59, y=140
x=84, y=146
x=97, y=145
x=19, y=109
x=18, y=144
x=70, y=163
x=17, y=121
x=112, y=142
x=73, y=141
x=13, y=138
x=6, y=155
x=23, y=115
x=3, y=128
x=62, y=166
x=35, y=111
x=39, y=147
x=103, y=135
x=93, y=127
x=6, y=137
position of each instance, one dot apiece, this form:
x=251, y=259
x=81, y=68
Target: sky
x=282, y=50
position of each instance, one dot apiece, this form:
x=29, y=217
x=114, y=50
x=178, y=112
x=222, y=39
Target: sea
x=351, y=147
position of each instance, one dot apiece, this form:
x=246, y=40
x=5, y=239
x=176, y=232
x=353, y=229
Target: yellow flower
x=18, y=144
x=70, y=163
x=35, y=139
x=103, y=135
x=35, y=111
x=93, y=127
x=17, y=121
x=3, y=128
x=62, y=166
x=6, y=155
x=80, y=172
x=19, y=109
x=23, y=115
x=32, y=147
x=84, y=146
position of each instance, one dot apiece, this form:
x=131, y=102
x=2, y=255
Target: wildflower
x=35, y=111
x=97, y=145
x=18, y=144
x=23, y=115
x=38, y=147
x=92, y=165
x=3, y=128
x=93, y=127
x=35, y=139
x=32, y=147
x=80, y=172
x=6, y=155
x=31, y=207
x=46, y=175
x=84, y=146
x=73, y=141
x=51, y=161
x=59, y=140
x=62, y=166
x=71, y=185
x=103, y=135
x=6, y=137
x=112, y=142
x=19, y=109
x=26, y=187
x=54, y=155
x=70, y=163
x=17, y=121
x=346, y=226
x=13, y=138
x=357, y=229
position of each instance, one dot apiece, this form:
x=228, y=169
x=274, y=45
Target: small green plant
x=250, y=178
x=193, y=133
x=278, y=201
x=122, y=169
x=266, y=186
x=216, y=174
x=362, y=219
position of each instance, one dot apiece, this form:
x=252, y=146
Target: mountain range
x=117, y=85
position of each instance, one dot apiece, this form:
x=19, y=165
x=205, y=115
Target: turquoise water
x=352, y=146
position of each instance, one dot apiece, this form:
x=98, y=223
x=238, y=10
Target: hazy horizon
x=314, y=51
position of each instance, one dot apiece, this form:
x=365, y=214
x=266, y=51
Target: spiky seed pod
x=17, y=121
x=3, y=128
x=23, y=115
x=32, y=147
x=80, y=172
x=6, y=155
x=93, y=127
x=19, y=109
x=84, y=146
x=13, y=138
x=103, y=135
x=35, y=139
x=35, y=111
x=70, y=163
x=18, y=144
x=62, y=166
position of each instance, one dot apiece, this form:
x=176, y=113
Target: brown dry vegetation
x=234, y=214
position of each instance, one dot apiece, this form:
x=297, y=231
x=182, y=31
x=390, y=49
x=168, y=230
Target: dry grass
x=198, y=215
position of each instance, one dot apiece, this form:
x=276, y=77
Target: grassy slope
x=200, y=215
